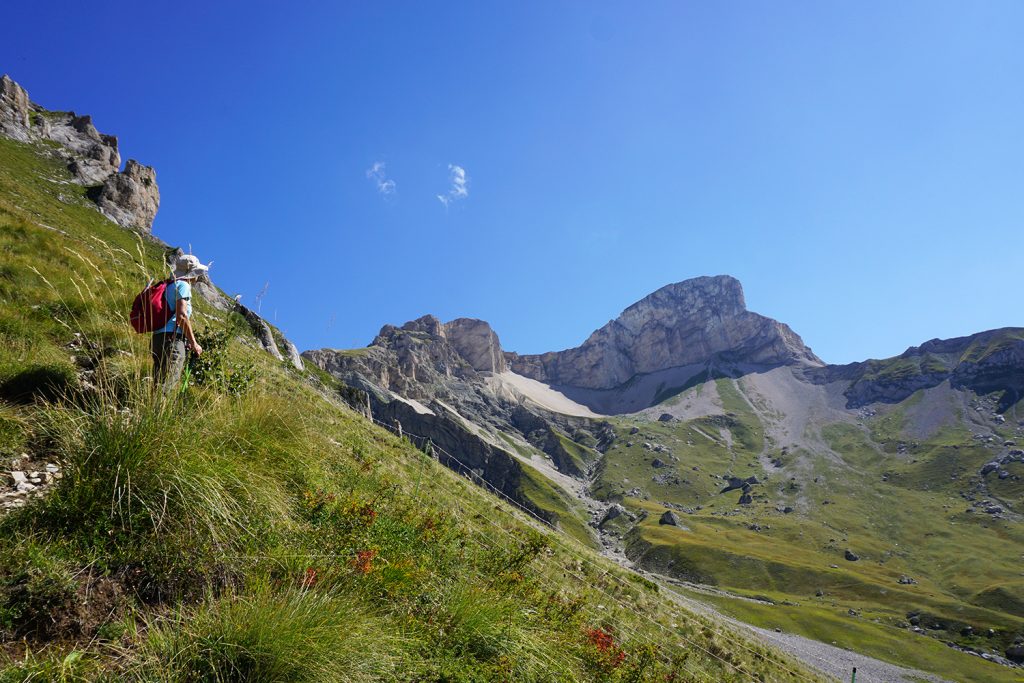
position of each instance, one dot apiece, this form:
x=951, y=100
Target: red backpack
x=150, y=311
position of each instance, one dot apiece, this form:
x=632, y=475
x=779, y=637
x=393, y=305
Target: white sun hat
x=189, y=266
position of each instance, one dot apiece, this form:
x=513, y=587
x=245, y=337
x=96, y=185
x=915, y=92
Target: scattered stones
x=25, y=482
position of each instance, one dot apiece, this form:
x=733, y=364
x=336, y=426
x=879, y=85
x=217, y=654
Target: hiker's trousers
x=168, y=350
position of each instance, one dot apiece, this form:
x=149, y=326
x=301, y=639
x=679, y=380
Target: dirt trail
x=828, y=659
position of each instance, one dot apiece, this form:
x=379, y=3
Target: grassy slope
x=911, y=523
x=273, y=535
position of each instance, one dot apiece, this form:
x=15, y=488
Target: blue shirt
x=179, y=290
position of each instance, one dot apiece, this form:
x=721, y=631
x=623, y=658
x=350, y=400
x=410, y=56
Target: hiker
x=169, y=341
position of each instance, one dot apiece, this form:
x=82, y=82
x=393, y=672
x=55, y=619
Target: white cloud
x=459, y=188
x=379, y=176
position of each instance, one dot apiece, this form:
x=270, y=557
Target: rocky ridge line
x=130, y=198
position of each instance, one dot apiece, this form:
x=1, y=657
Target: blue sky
x=858, y=166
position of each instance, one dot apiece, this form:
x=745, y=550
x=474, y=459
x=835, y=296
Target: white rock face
x=477, y=343
x=683, y=323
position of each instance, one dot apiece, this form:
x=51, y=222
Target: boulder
x=613, y=512
x=658, y=463
x=1015, y=653
x=746, y=499
x=850, y=555
x=666, y=417
x=669, y=518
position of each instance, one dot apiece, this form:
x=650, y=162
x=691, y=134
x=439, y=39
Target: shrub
x=215, y=369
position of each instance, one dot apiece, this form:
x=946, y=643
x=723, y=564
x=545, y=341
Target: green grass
x=891, y=497
x=568, y=513
x=863, y=634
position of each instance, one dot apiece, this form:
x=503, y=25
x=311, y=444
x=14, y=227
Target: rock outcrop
x=14, y=110
x=130, y=198
x=694, y=321
x=421, y=358
x=984, y=362
x=442, y=369
x=476, y=342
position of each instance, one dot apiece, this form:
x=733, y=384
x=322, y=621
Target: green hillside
x=255, y=529
x=875, y=486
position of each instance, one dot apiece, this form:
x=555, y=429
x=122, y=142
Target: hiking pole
x=853, y=676
x=187, y=374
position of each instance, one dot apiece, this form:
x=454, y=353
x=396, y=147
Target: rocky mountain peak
x=130, y=198
x=696, y=321
x=704, y=298
x=472, y=341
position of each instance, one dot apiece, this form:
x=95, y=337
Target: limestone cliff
x=688, y=322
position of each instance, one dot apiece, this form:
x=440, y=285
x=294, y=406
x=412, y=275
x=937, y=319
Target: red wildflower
x=363, y=561
x=600, y=639
x=610, y=654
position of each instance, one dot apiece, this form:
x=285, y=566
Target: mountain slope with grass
x=255, y=527
x=875, y=505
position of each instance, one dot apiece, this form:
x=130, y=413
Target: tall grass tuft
x=159, y=484
x=265, y=635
